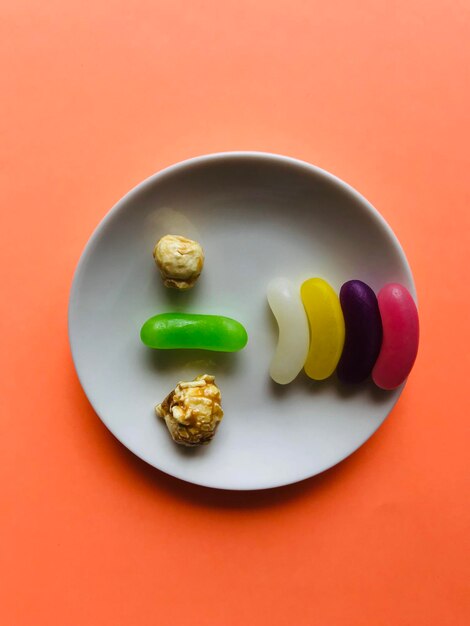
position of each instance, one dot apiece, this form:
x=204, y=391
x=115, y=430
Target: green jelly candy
x=169, y=331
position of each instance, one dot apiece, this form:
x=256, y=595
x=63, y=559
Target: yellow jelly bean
x=327, y=332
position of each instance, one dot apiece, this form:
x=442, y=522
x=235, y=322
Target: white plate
x=257, y=216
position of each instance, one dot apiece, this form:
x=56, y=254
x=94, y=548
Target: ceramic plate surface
x=258, y=216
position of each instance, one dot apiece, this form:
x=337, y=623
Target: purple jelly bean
x=363, y=331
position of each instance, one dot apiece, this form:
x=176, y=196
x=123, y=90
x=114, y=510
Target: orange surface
x=95, y=97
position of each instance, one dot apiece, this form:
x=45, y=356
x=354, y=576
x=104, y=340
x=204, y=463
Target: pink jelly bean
x=400, y=336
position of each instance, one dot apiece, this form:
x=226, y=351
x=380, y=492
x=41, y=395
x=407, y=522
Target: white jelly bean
x=294, y=338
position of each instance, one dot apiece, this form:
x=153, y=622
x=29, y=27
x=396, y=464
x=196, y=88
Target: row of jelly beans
x=359, y=334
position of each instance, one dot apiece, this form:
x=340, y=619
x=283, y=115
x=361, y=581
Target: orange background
x=95, y=97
